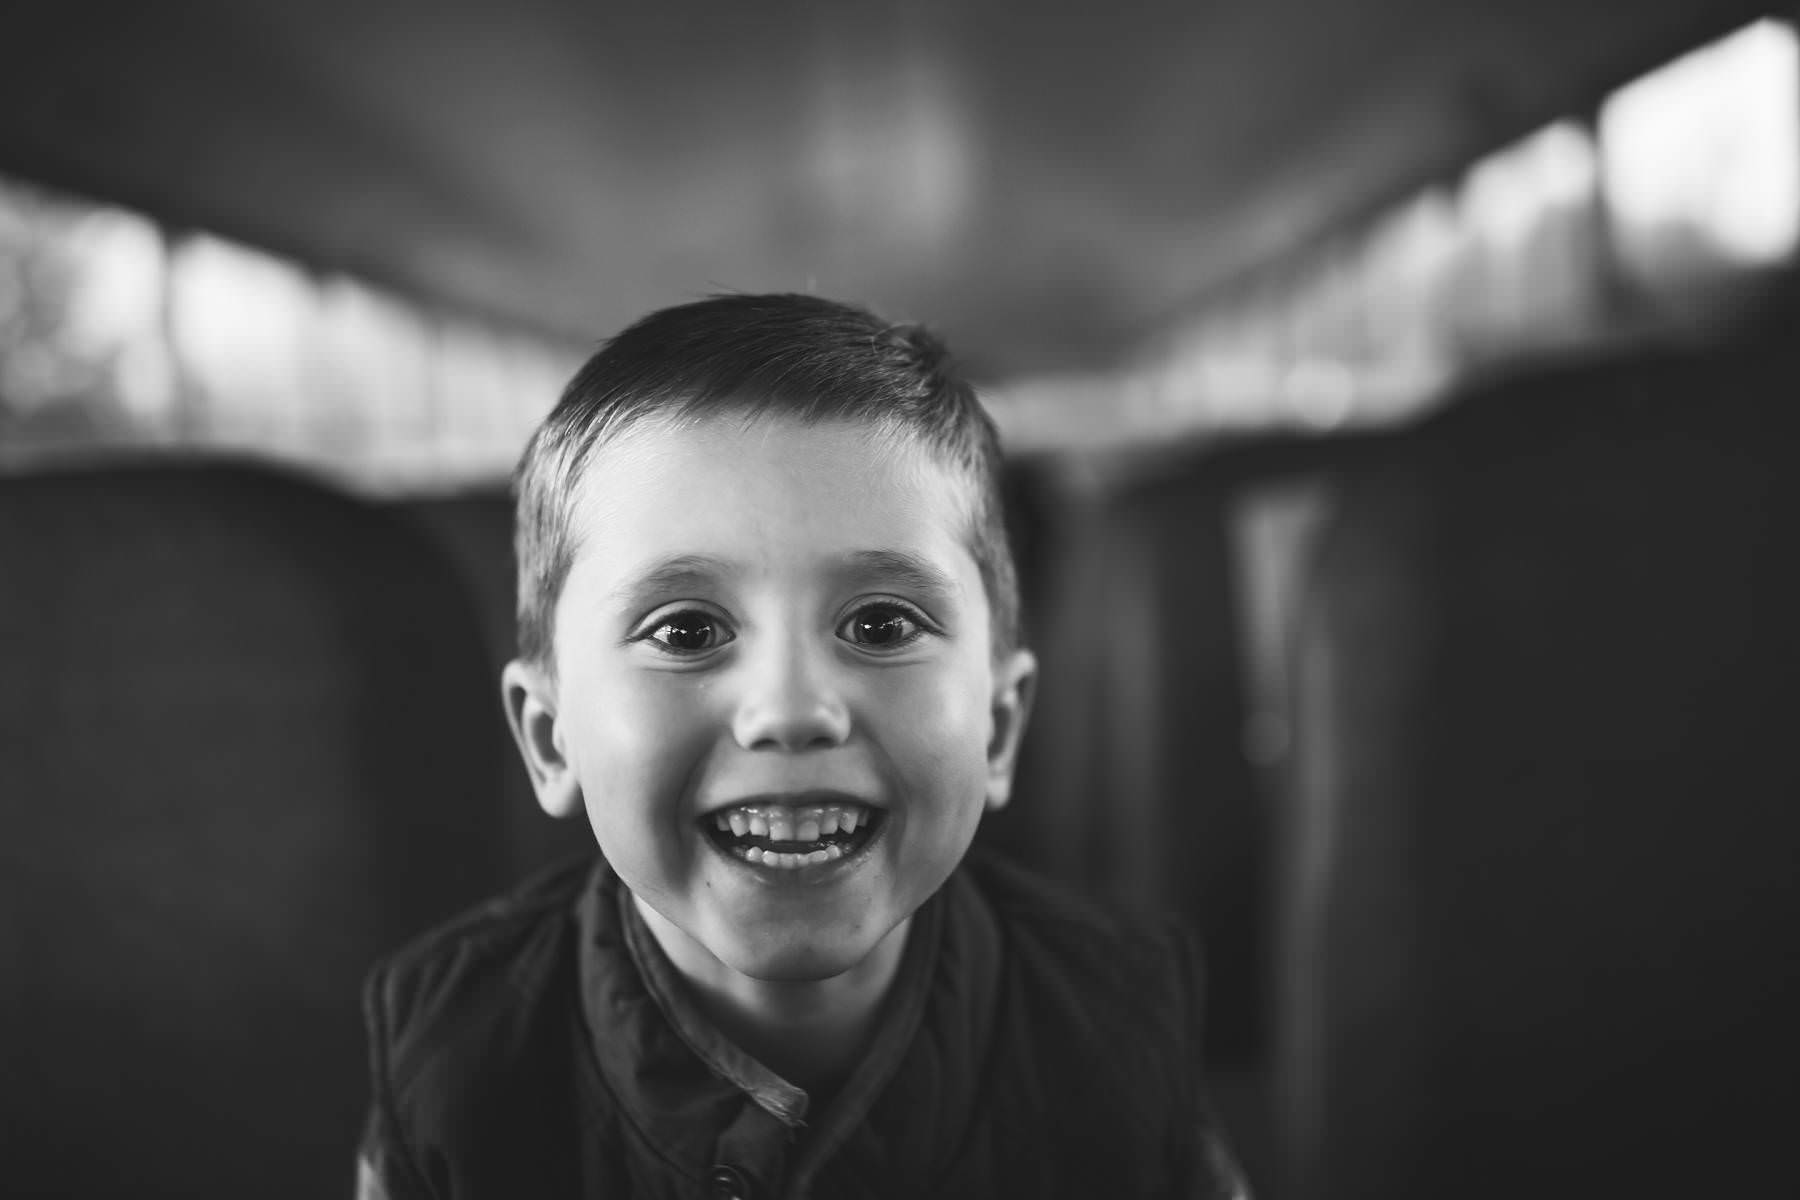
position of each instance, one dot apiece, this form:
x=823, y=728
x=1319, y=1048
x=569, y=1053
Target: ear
x=1015, y=683
x=529, y=696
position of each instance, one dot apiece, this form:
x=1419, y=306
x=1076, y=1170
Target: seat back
x=475, y=531
x=246, y=745
x=1538, y=860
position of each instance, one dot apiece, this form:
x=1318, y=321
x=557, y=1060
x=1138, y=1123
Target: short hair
x=791, y=355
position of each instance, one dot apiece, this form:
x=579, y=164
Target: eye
x=882, y=626
x=690, y=631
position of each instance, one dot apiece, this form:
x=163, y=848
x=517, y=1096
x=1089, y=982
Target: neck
x=811, y=1032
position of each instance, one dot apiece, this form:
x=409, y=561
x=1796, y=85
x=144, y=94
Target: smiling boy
x=769, y=646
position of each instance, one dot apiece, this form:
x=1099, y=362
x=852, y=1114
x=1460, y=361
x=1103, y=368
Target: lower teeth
x=773, y=858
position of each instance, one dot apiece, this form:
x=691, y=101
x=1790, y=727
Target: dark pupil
x=881, y=630
x=687, y=635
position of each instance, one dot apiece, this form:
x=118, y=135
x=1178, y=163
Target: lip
x=808, y=876
x=794, y=799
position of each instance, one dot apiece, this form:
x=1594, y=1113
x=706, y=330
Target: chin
x=800, y=961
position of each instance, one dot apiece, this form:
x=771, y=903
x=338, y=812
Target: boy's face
x=778, y=628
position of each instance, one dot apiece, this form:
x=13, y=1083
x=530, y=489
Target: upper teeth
x=791, y=823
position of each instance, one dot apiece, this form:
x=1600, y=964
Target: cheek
x=943, y=729
x=637, y=727
x=639, y=749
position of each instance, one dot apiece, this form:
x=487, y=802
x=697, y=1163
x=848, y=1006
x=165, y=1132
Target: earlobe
x=1015, y=682
x=529, y=697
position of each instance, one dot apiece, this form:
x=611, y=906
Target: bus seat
x=1538, y=860
x=246, y=746
x=475, y=531
x=1132, y=783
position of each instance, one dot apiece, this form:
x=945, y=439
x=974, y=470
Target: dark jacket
x=541, y=1046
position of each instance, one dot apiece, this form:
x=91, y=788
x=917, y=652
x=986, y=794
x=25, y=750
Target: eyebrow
x=692, y=572
x=907, y=570
x=681, y=573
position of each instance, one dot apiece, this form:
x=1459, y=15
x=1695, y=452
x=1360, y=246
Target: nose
x=791, y=702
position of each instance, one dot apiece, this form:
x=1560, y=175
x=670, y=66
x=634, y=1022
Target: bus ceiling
x=1050, y=183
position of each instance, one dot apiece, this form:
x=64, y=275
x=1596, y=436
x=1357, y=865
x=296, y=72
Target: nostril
x=794, y=742
x=791, y=727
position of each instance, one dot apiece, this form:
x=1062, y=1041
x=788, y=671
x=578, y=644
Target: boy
x=769, y=643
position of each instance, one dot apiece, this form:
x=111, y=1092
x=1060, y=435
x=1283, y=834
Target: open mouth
x=792, y=836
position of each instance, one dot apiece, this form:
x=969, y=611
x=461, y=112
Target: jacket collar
x=700, y=1100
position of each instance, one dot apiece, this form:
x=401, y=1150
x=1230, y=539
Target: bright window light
x=1708, y=148
x=242, y=324
x=1528, y=275
x=115, y=306
x=1508, y=194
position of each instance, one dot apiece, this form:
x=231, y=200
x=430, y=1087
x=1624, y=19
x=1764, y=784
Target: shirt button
x=728, y=1183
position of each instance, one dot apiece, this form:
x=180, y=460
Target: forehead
x=766, y=489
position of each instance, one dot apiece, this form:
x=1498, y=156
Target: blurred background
x=1403, y=478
